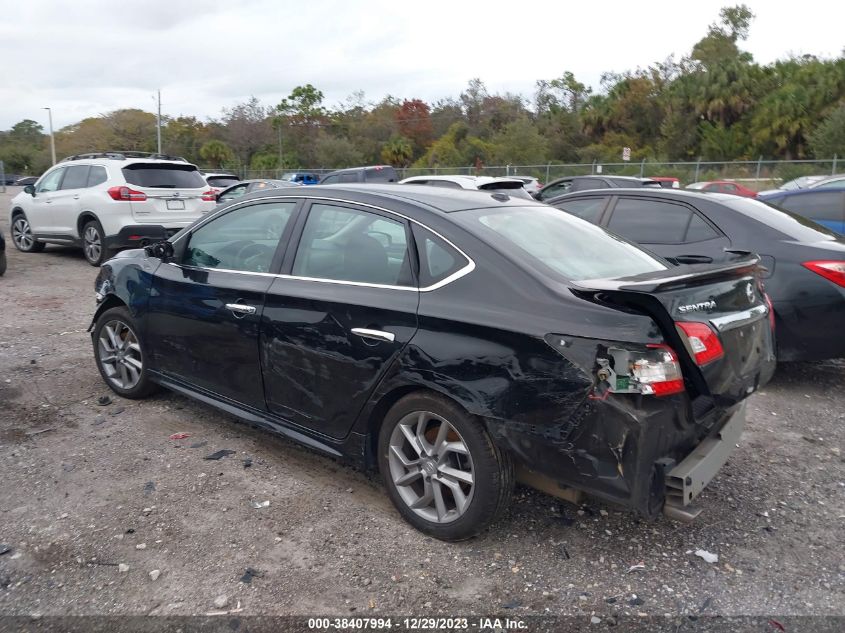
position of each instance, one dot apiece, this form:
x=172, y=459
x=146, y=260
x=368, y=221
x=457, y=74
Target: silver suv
x=107, y=201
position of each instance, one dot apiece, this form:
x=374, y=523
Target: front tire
x=22, y=236
x=120, y=356
x=94, y=243
x=441, y=468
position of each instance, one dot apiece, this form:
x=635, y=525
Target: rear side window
x=831, y=184
x=348, y=177
x=588, y=209
x=823, y=205
x=438, y=260
x=222, y=181
x=650, y=221
x=329, y=180
x=163, y=176
x=76, y=177
x=380, y=174
x=344, y=244
x=699, y=230
x=97, y=176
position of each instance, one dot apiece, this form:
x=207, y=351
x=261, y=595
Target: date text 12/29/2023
x=417, y=624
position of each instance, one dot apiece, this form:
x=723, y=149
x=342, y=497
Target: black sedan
x=805, y=261
x=455, y=340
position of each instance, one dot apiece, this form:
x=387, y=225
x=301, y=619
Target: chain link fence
x=756, y=174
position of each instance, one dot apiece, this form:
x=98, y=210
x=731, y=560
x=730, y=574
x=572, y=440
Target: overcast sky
x=88, y=57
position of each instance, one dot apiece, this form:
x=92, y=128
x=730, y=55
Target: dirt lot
x=88, y=489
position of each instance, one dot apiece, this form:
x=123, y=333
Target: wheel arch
x=84, y=218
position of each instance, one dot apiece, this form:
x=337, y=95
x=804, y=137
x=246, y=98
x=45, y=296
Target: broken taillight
x=703, y=342
x=653, y=371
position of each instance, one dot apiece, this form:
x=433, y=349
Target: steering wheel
x=254, y=257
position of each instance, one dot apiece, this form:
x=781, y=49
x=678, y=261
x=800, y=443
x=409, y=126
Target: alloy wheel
x=22, y=234
x=120, y=354
x=93, y=245
x=431, y=467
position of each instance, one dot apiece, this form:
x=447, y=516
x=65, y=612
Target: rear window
x=222, y=181
x=557, y=244
x=790, y=224
x=163, y=176
x=820, y=205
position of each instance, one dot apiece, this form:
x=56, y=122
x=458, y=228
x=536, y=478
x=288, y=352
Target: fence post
x=697, y=166
x=833, y=171
x=593, y=171
x=759, y=161
x=547, y=172
x=642, y=168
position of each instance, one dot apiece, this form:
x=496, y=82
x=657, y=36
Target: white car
x=510, y=186
x=107, y=201
x=532, y=185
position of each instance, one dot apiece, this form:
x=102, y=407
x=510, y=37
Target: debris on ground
x=237, y=609
x=221, y=601
x=595, y=620
x=225, y=452
x=638, y=567
x=104, y=401
x=141, y=546
x=5, y=549
x=117, y=411
x=249, y=574
x=198, y=444
x=38, y=432
x=149, y=487
x=154, y=574
x=122, y=567
x=707, y=556
x=261, y=504
x=513, y=604
x=180, y=436
x=247, y=462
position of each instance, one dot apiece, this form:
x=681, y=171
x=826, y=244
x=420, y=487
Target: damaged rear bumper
x=686, y=480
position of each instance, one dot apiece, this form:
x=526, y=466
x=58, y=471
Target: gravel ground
x=96, y=498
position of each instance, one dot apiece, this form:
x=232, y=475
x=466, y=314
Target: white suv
x=107, y=201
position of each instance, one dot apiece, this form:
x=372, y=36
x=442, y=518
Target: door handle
x=76, y=197
x=240, y=308
x=49, y=201
x=693, y=259
x=376, y=335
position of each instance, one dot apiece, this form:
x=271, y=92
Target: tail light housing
x=652, y=371
x=210, y=195
x=126, y=194
x=832, y=270
x=702, y=341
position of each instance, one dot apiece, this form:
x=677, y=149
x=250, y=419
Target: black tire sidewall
x=145, y=386
x=491, y=474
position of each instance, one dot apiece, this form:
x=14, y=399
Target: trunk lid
x=729, y=300
x=174, y=192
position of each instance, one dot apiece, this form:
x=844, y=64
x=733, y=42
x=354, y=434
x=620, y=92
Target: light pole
x=52, y=138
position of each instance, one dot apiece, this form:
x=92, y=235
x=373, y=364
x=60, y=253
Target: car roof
x=646, y=192
x=435, y=198
x=473, y=180
x=801, y=192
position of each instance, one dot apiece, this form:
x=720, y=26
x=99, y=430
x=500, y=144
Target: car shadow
x=817, y=374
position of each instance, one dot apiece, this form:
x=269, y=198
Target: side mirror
x=30, y=189
x=161, y=250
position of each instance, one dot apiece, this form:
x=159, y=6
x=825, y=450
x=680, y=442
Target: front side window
x=345, y=244
x=51, y=181
x=587, y=209
x=244, y=240
x=557, y=244
x=822, y=205
x=557, y=189
x=76, y=177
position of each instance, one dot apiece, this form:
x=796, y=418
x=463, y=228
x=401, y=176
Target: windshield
x=553, y=242
x=795, y=226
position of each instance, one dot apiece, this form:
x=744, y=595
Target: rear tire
x=22, y=236
x=2, y=263
x=441, y=468
x=120, y=356
x=94, y=243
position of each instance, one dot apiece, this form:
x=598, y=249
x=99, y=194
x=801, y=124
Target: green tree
x=519, y=143
x=398, y=151
x=216, y=152
x=828, y=139
x=336, y=152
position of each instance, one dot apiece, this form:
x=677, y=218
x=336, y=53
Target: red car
x=723, y=186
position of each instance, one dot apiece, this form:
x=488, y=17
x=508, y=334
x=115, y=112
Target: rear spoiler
x=678, y=276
